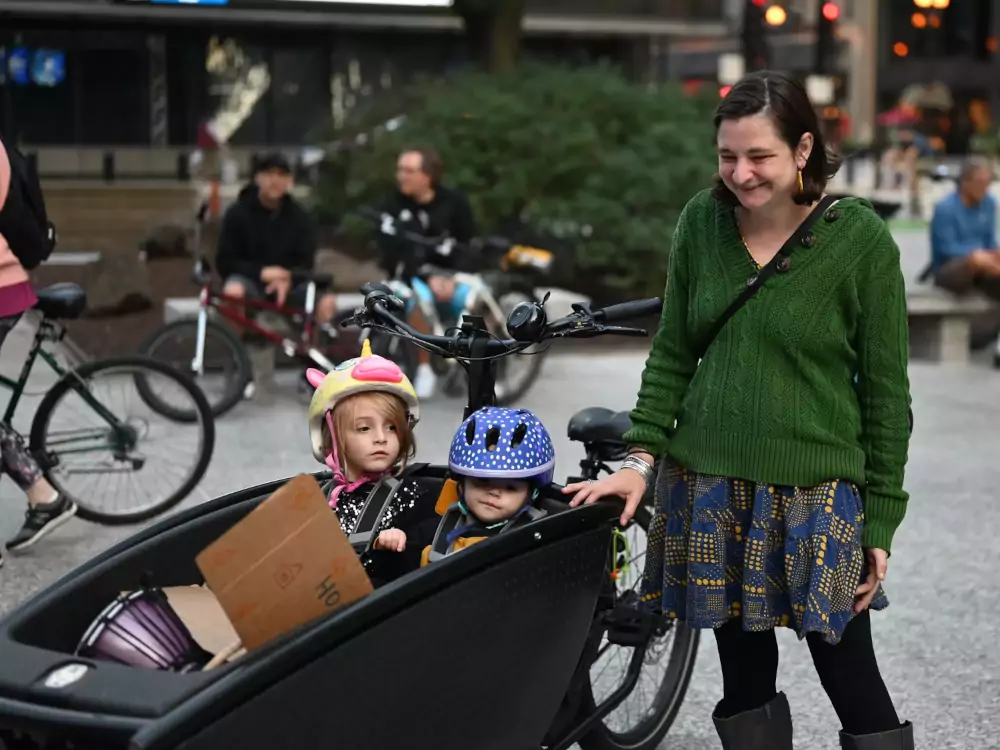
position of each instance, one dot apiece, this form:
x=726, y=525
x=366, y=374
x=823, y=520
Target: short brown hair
x=431, y=162
x=388, y=406
x=785, y=101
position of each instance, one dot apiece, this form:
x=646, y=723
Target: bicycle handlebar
x=641, y=308
x=527, y=323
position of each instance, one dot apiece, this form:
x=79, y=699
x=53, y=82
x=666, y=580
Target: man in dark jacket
x=424, y=206
x=266, y=235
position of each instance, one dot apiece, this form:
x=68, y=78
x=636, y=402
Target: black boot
x=895, y=739
x=766, y=728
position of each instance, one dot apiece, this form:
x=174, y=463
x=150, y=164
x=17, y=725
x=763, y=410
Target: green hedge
x=599, y=166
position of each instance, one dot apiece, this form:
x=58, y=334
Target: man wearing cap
x=266, y=234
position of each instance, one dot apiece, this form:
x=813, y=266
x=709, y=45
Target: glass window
x=299, y=94
x=114, y=92
x=37, y=89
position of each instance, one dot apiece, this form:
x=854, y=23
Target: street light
x=826, y=38
x=775, y=15
x=924, y=3
x=941, y=4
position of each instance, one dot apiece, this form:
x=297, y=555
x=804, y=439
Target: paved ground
x=937, y=642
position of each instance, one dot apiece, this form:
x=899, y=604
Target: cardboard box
x=199, y=609
x=285, y=564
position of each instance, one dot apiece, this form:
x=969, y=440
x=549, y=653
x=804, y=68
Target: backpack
x=23, y=220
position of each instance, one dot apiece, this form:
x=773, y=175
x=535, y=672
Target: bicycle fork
x=198, y=363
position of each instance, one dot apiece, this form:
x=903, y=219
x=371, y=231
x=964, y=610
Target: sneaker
x=425, y=381
x=41, y=520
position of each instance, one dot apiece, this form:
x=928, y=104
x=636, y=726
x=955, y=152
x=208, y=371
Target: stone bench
x=72, y=259
x=940, y=323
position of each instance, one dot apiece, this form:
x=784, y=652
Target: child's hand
x=393, y=540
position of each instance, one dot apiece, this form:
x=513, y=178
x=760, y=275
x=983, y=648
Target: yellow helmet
x=366, y=373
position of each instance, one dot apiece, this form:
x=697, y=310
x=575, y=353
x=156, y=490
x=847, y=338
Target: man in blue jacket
x=964, y=250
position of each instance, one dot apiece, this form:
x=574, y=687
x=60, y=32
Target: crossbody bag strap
x=778, y=264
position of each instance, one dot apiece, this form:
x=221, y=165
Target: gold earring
x=800, y=181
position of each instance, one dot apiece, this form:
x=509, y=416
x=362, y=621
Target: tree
x=582, y=161
x=493, y=31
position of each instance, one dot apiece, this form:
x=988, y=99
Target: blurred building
x=259, y=72
x=942, y=56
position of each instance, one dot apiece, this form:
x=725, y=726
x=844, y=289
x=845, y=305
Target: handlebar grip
x=641, y=308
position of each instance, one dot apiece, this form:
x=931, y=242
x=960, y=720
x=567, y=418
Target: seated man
x=266, y=234
x=502, y=459
x=964, y=253
x=422, y=205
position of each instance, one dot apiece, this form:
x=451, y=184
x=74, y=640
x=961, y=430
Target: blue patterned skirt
x=774, y=556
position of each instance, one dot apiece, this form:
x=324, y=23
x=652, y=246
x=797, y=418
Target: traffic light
x=826, y=37
x=756, y=52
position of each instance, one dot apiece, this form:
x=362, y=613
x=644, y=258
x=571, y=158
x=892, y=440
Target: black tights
x=848, y=671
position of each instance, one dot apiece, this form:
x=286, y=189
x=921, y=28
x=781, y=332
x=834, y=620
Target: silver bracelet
x=639, y=466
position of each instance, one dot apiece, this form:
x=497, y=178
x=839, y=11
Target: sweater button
x=832, y=215
x=783, y=265
x=809, y=240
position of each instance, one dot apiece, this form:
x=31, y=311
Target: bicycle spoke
x=130, y=470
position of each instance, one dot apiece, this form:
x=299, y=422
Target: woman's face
x=756, y=164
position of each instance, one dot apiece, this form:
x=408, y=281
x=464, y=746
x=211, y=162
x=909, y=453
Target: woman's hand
x=392, y=540
x=878, y=562
x=624, y=483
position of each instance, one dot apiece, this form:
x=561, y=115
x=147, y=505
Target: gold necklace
x=746, y=245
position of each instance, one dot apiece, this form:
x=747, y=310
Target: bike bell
x=526, y=321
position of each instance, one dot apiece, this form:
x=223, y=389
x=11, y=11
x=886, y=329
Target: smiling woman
x=780, y=487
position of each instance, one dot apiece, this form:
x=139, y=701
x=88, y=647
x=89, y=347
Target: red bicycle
x=217, y=357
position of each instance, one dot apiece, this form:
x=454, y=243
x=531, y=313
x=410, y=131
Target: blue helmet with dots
x=502, y=443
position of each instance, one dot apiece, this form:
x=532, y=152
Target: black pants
x=848, y=671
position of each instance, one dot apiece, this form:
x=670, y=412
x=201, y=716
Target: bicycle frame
x=230, y=308
x=49, y=331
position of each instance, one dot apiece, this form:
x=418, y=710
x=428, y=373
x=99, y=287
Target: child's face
x=492, y=500
x=371, y=443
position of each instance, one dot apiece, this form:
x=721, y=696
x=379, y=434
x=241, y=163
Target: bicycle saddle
x=598, y=425
x=61, y=301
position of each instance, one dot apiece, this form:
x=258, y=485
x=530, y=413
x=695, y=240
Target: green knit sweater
x=774, y=398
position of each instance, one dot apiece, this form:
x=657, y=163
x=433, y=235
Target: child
x=502, y=459
x=361, y=421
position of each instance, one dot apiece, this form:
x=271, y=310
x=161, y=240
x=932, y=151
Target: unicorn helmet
x=364, y=374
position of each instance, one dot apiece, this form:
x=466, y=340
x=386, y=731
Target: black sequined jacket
x=412, y=506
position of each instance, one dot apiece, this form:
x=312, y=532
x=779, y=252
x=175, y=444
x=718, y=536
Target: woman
x=47, y=509
x=781, y=484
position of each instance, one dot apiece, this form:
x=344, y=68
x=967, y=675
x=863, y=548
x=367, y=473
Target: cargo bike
x=532, y=639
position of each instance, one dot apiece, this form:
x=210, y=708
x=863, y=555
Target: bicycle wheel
x=113, y=442
x=643, y=719
x=227, y=368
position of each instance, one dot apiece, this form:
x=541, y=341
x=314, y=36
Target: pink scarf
x=340, y=483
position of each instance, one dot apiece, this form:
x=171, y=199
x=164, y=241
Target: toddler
x=501, y=459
